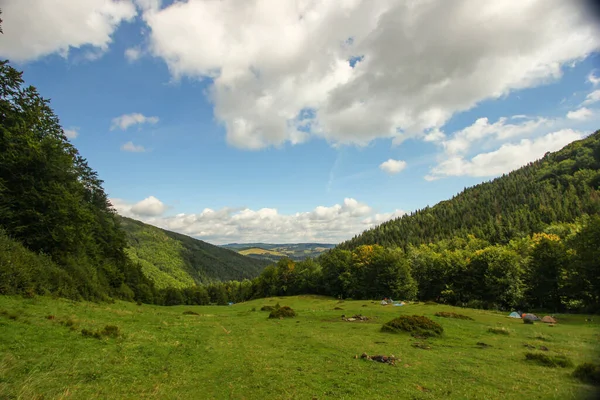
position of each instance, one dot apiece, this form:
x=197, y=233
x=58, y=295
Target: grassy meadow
x=236, y=352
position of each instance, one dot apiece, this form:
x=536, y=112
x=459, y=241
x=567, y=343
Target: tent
x=531, y=317
x=514, y=314
x=548, y=319
x=384, y=303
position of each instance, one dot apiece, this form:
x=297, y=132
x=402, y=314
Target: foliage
x=446, y=314
x=560, y=187
x=549, y=361
x=170, y=259
x=588, y=373
x=282, y=312
x=413, y=324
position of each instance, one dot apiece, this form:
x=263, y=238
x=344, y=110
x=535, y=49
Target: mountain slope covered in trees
x=171, y=259
x=557, y=188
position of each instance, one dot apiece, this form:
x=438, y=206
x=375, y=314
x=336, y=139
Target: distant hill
x=557, y=188
x=174, y=260
x=274, y=252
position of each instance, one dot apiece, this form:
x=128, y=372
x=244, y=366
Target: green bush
x=282, y=312
x=445, y=314
x=267, y=308
x=588, y=373
x=527, y=321
x=415, y=325
x=108, y=331
x=549, y=361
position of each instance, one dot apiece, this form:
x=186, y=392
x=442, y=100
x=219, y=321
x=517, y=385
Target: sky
x=305, y=121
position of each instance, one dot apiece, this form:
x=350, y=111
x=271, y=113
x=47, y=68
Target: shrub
x=415, y=325
x=549, y=361
x=282, y=312
x=430, y=303
x=338, y=308
x=267, y=308
x=499, y=331
x=527, y=321
x=190, y=313
x=111, y=331
x=445, y=314
x=588, y=373
x=90, y=333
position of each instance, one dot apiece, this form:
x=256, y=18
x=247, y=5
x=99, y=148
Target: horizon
x=305, y=123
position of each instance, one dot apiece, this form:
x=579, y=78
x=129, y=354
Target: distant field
x=237, y=353
x=257, y=250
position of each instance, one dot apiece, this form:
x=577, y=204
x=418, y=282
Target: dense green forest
x=530, y=239
x=560, y=187
x=170, y=259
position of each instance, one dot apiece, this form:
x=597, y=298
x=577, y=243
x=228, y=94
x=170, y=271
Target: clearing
x=224, y=352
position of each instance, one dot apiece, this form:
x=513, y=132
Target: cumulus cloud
x=392, y=166
x=36, y=28
x=71, y=133
x=592, y=97
x=505, y=159
x=582, y=113
x=356, y=70
x=133, y=148
x=126, y=120
x=462, y=140
x=149, y=207
x=323, y=224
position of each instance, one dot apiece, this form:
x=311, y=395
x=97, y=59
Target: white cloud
x=582, y=113
x=392, y=166
x=71, y=133
x=133, y=148
x=505, y=159
x=126, y=120
x=323, y=224
x=133, y=54
x=149, y=207
x=594, y=80
x=592, y=97
x=280, y=69
x=36, y=28
x=462, y=140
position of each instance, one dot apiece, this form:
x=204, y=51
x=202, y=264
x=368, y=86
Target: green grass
x=233, y=352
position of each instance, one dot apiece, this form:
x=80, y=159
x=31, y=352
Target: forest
x=529, y=239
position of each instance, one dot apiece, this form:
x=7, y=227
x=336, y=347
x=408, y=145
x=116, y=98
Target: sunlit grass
x=235, y=352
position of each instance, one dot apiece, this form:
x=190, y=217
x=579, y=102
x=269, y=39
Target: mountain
x=557, y=188
x=170, y=259
x=275, y=252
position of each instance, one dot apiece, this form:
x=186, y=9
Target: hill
x=275, y=252
x=560, y=187
x=171, y=259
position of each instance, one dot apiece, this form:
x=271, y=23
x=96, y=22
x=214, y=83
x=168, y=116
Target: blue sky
x=264, y=122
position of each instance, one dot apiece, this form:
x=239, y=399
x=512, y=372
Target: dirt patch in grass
x=416, y=325
x=548, y=361
x=338, y=308
x=482, y=345
x=190, y=313
x=445, y=314
x=282, y=312
x=380, y=358
x=421, y=345
x=588, y=373
x=499, y=331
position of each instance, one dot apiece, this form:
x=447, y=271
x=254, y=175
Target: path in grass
x=234, y=352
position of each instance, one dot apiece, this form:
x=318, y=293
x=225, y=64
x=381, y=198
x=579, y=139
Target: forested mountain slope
x=557, y=188
x=170, y=259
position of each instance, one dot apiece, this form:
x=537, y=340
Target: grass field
x=234, y=352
